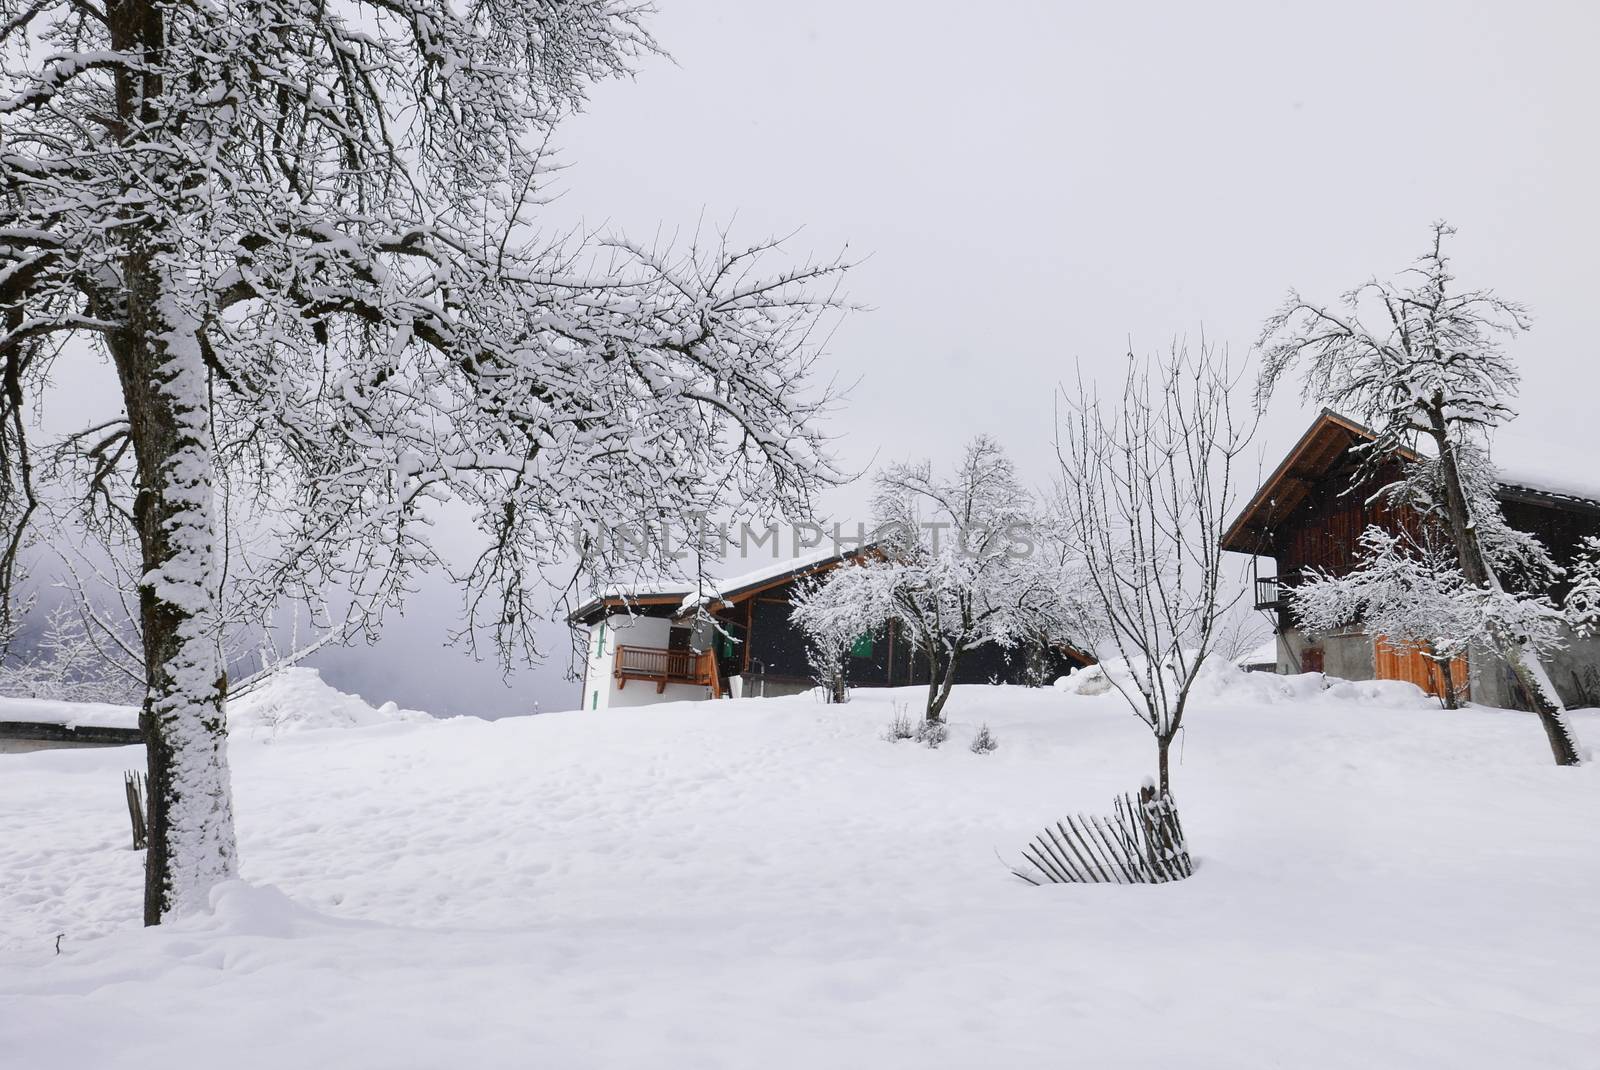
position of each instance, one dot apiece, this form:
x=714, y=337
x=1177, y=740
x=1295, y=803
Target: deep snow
x=290, y=700
x=768, y=883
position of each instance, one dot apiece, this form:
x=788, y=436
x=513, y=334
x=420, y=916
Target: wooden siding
x=1324, y=530
x=1415, y=667
x=776, y=647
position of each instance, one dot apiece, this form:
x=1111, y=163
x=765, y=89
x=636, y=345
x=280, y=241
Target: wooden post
x=133, y=789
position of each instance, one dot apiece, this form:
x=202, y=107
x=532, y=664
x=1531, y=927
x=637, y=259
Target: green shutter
x=862, y=647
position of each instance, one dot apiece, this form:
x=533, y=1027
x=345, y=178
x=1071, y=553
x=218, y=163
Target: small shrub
x=984, y=742
x=932, y=733
x=901, y=727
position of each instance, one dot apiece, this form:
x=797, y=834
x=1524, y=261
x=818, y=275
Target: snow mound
x=1226, y=683
x=1220, y=681
x=1089, y=680
x=1265, y=654
x=298, y=699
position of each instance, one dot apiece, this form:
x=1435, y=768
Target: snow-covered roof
x=1536, y=463
x=760, y=577
x=1541, y=461
x=68, y=714
x=686, y=596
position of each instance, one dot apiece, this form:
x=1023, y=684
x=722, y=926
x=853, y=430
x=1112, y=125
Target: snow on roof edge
x=712, y=588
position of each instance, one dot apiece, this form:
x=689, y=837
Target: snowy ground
x=766, y=883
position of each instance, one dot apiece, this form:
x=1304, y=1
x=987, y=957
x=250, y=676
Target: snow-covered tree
x=68, y=661
x=301, y=235
x=828, y=641
x=1409, y=589
x=1145, y=486
x=955, y=565
x=1582, y=604
x=1433, y=377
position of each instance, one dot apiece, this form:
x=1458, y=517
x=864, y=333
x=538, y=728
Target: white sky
x=1032, y=184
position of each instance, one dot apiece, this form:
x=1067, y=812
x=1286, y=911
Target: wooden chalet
x=1310, y=513
x=656, y=645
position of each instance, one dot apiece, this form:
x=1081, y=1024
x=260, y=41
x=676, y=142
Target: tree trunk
x=1036, y=661
x=939, y=685
x=191, y=837
x=1163, y=746
x=167, y=394
x=1447, y=684
x=1475, y=565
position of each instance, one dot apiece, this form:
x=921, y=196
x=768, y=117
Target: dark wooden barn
x=1310, y=513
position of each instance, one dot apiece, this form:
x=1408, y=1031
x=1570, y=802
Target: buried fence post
x=133, y=787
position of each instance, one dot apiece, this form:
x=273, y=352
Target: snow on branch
x=353, y=198
x=959, y=561
x=1145, y=486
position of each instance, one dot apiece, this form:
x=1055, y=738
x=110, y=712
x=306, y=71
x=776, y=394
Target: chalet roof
x=1328, y=438
x=683, y=597
x=1530, y=478
x=1538, y=463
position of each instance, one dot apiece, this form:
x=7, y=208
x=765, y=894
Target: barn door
x=1415, y=667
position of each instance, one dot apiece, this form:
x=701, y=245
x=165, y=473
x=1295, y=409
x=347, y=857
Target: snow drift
x=766, y=882
x=297, y=699
x=291, y=700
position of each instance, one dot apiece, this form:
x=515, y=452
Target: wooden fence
x=1142, y=843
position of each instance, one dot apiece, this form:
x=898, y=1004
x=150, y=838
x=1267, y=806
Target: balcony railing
x=663, y=666
x=1272, y=592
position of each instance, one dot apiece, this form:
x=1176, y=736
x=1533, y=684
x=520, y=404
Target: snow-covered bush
x=984, y=742
x=901, y=726
x=932, y=733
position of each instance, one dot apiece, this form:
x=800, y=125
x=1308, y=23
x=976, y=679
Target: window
x=594, y=703
x=600, y=647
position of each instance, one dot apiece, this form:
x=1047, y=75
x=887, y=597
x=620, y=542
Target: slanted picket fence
x=1141, y=843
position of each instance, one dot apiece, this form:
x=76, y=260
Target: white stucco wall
x=601, y=689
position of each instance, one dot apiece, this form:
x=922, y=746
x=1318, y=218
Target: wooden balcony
x=1272, y=592
x=663, y=667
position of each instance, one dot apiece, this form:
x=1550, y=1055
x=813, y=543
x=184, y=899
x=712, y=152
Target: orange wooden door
x=1413, y=666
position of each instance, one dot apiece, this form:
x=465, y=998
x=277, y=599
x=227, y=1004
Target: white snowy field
x=767, y=883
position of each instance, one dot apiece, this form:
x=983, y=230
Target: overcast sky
x=1030, y=185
